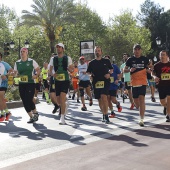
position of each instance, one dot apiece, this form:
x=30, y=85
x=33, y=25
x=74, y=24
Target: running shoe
x=78, y=101
x=103, y=120
x=84, y=108
x=119, y=108
x=90, y=102
x=31, y=120
x=132, y=106
x=167, y=118
x=112, y=115
x=107, y=119
x=153, y=99
x=35, y=117
x=73, y=96
x=7, y=116
x=141, y=123
x=164, y=111
x=56, y=107
x=2, y=118
x=62, y=122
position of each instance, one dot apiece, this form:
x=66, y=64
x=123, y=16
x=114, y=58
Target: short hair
x=99, y=47
x=137, y=46
x=1, y=55
x=164, y=51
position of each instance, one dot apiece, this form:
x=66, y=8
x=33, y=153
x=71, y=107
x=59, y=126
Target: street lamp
x=166, y=44
x=12, y=45
x=155, y=59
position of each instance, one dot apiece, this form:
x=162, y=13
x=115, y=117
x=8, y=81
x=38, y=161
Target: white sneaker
x=62, y=120
x=141, y=123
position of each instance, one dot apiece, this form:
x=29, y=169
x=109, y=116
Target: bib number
x=165, y=76
x=111, y=79
x=99, y=85
x=24, y=79
x=60, y=77
x=10, y=80
x=128, y=83
x=152, y=80
x=53, y=86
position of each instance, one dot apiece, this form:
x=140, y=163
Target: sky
x=105, y=8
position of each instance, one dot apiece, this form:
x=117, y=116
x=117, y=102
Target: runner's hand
x=3, y=77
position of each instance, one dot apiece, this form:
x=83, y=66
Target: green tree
x=49, y=15
x=123, y=33
x=88, y=26
x=149, y=17
x=38, y=48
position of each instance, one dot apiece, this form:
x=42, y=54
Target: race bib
x=111, y=79
x=53, y=86
x=128, y=83
x=10, y=80
x=152, y=80
x=99, y=85
x=60, y=77
x=24, y=79
x=165, y=76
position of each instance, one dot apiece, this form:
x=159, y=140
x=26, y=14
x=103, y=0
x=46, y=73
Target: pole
x=166, y=43
x=19, y=47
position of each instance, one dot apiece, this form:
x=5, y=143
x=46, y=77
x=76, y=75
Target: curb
x=14, y=104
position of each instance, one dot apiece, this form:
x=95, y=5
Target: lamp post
x=12, y=45
x=166, y=44
x=155, y=59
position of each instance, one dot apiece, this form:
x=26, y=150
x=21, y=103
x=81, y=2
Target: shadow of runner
x=156, y=131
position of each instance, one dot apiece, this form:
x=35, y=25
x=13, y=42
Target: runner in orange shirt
x=138, y=65
x=74, y=79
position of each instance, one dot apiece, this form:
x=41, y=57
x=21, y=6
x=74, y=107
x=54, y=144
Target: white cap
x=60, y=45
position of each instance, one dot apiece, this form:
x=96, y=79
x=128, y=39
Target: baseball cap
x=138, y=46
x=60, y=45
x=82, y=57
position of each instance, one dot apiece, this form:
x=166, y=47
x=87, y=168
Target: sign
x=87, y=49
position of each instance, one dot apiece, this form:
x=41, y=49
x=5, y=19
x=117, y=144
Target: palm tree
x=51, y=15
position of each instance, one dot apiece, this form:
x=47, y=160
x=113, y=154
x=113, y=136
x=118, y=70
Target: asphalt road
x=85, y=142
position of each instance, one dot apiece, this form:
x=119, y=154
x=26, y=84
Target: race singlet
x=60, y=77
x=165, y=76
x=99, y=85
x=24, y=79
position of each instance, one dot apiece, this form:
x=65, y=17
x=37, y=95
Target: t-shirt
x=139, y=76
x=74, y=74
x=62, y=74
x=99, y=68
x=4, y=67
x=44, y=73
x=83, y=68
x=26, y=70
x=126, y=76
x=162, y=71
x=114, y=77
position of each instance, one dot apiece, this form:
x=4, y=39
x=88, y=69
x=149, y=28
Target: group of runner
x=99, y=77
